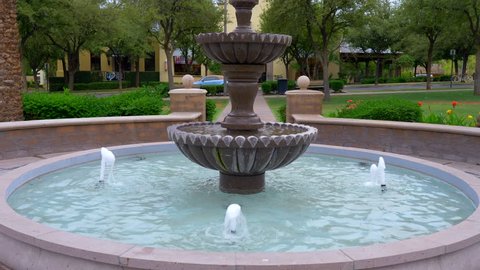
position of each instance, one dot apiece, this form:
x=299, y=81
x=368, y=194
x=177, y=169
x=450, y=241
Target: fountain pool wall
x=29, y=245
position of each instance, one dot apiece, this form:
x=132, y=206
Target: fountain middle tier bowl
x=243, y=48
x=242, y=152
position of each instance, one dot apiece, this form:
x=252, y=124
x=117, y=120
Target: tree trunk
x=73, y=64
x=169, y=54
x=11, y=72
x=326, y=85
x=455, y=67
x=367, y=69
x=137, y=72
x=120, y=74
x=377, y=70
x=65, y=71
x=476, y=75
x=464, y=65
x=429, y=65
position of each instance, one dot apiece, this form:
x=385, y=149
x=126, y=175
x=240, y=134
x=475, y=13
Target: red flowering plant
x=450, y=117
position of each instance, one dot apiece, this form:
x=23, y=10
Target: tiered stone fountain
x=242, y=147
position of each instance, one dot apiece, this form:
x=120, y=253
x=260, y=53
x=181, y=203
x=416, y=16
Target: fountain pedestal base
x=242, y=184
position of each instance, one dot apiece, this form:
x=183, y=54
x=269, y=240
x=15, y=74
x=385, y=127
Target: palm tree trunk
x=11, y=108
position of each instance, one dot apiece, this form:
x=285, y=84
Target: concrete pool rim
x=20, y=233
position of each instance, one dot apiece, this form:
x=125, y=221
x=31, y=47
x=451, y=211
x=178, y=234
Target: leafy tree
x=127, y=35
x=469, y=11
x=375, y=32
x=165, y=28
x=207, y=19
x=427, y=19
x=69, y=25
x=290, y=21
x=323, y=23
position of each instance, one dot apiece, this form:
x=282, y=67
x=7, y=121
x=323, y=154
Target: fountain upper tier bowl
x=243, y=47
x=242, y=157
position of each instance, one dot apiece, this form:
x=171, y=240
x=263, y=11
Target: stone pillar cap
x=303, y=82
x=187, y=82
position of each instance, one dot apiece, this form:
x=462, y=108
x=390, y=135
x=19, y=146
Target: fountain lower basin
x=57, y=248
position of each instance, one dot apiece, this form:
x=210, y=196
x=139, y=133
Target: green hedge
x=161, y=88
x=212, y=90
x=387, y=109
x=441, y=78
x=55, y=87
x=272, y=86
x=145, y=77
x=65, y=105
x=336, y=85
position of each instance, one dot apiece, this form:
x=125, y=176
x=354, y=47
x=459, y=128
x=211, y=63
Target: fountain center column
x=242, y=87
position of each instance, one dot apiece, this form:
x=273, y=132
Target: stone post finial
x=303, y=82
x=187, y=81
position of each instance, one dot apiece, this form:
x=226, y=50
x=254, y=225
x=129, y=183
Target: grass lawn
x=435, y=102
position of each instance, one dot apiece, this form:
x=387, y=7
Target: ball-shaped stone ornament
x=187, y=81
x=303, y=82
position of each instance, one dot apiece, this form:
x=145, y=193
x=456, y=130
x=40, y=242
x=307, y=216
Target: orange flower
x=454, y=104
x=349, y=101
x=420, y=103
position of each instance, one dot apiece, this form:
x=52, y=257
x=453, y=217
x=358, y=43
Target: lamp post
x=452, y=53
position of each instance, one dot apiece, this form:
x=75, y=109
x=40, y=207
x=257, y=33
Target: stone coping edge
x=318, y=119
x=117, y=254
x=172, y=117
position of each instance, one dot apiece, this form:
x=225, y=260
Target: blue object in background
x=209, y=80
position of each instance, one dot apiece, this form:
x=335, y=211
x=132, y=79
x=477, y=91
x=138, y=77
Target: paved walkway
x=260, y=107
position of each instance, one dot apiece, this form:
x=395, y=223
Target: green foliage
x=336, y=85
x=65, y=105
x=386, y=109
x=291, y=84
x=394, y=80
x=282, y=113
x=212, y=90
x=145, y=77
x=449, y=117
x=53, y=106
x=88, y=77
x=267, y=87
x=90, y=86
x=211, y=108
x=160, y=87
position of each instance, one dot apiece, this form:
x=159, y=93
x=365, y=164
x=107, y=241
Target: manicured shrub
x=386, y=109
x=65, y=105
x=161, y=88
x=336, y=85
x=292, y=84
x=267, y=87
x=59, y=105
x=211, y=108
x=101, y=85
x=145, y=76
x=212, y=90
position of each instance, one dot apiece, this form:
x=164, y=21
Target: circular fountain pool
x=353, y=212
x=319, y=202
